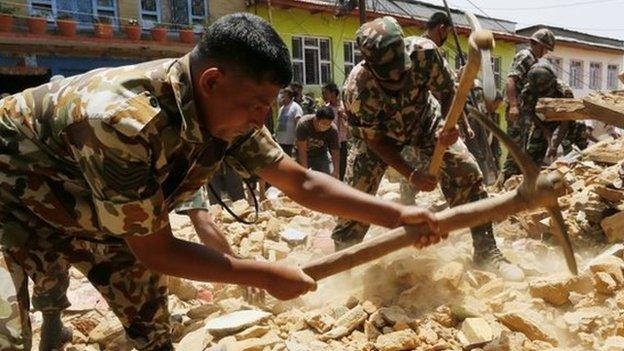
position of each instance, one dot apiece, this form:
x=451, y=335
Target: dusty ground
x=431, y=299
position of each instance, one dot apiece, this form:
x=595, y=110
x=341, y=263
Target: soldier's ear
x=208, y=80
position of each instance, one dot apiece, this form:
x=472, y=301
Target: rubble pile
x=593, y=203
x=430, y=299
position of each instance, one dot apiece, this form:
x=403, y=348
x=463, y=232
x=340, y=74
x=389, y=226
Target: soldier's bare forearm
x=512, y=94
x=208, y=231
x=166, y=254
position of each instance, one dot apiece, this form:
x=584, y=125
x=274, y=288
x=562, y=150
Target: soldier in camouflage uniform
x=541, y=42
x=388, y=106
x=91, y=165
x=544, y=137
x=577, y=136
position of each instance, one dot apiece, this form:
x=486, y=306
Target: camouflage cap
x=381, y=44
x=545, y=37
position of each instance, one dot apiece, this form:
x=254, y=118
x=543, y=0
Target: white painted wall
x=568, y=53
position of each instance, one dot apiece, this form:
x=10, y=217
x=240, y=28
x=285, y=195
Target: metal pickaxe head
x=487, y=74
x=536, y=187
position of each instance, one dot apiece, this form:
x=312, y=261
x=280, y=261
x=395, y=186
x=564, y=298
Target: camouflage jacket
x=529, y=96
x=373, y=112
x=522, y=63
x=112, y=151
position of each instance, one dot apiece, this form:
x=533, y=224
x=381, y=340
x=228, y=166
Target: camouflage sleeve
x=116, y=154
x=253, y=152
x=430, y=66
x=362, y=104
x=520, y=65
x=441, y=78
x=199, y=201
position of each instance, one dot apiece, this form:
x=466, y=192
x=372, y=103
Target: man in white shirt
x=288, y=116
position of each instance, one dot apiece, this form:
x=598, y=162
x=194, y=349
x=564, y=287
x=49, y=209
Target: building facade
x=586, y=62
x=28, y=59
x=323, y=46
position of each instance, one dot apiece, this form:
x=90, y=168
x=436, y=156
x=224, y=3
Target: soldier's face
x=233, y=105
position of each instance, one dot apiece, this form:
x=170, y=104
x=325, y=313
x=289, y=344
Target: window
x=352, y=56
x=83, y=11
x=576, y=74
x=595, y=75
x=311, y=60
x=458, y=64
x=150, y=13
x=496, y=68
x=188, y=12
x=557, y=63
x=612, y=76
x=45, y=7
x=198, y=12
x=105, y=8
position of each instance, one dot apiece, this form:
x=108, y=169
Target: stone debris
x=474, y=332
x=554, y=291
x=430, y=299
x=397, y=341
x=527, y=324
x=235, y=321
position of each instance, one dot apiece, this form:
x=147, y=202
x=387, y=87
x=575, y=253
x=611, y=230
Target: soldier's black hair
x=438, y=18
x=325, y=112
x=332, y=87
x=248, y=44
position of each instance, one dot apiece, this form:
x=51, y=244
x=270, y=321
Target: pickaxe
x=535, y=191
x=479, y=42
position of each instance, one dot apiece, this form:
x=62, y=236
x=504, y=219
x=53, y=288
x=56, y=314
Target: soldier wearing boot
x=387, y=98
x=91, y=166
x=541, y=42
x=544, y=137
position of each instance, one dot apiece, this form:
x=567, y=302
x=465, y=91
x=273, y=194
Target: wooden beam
x=607, y=107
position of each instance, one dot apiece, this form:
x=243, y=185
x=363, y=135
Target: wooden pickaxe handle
x=464, y=216
x=478, y=40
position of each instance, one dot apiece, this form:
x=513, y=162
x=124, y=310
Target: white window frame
x=200, y=19
x=109, y=9
x=148, y=24
x=36, y=3
x=576, y=79
x=497, y=72
x=557, y=63
x=612, y=76
x=301, y=60
x=595, y=75
x=352, y=61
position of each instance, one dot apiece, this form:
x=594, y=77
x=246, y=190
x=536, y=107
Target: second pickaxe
x=479, y=41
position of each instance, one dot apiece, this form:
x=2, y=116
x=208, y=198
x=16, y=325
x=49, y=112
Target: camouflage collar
x=180, y=78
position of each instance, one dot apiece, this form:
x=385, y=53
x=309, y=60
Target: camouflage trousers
x=538, y=141
x=137, y=295
x=517, y=130
x=461, y=182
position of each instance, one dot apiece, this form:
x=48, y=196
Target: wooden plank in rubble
x=607, y=107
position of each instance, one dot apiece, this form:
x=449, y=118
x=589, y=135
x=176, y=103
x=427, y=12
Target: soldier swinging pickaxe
x=535, y=191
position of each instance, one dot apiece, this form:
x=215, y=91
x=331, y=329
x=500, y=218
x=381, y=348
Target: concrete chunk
x=235, y=321
x=554, y=291
x=527, y=324
x=604, y=283
x=476, y=331
x=397, y=341
x=450, y=273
